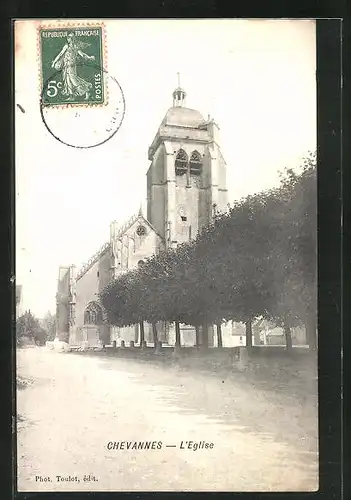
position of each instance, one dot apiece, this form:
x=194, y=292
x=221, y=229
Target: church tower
x=186, y=181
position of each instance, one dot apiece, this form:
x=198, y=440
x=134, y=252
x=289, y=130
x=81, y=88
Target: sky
x=256, y=78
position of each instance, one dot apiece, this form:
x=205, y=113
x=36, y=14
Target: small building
x=271, y=334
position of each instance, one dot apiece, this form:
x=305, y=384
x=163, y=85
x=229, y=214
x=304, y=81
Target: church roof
x=183, y=117
x=86, y=266
x=106, y=246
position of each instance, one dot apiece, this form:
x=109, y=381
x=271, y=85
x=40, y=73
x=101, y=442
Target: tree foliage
x=257, y=259
x=28, y=329
x=49, y=325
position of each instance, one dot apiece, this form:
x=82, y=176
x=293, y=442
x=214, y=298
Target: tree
x=40, y=336
x=49, y=325
x=258, y=259
x=231, y=253
x=29, y=329
x=294, y=252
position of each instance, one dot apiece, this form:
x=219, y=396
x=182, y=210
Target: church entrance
x=95, y=330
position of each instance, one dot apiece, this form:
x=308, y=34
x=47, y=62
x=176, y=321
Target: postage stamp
x=72, y=65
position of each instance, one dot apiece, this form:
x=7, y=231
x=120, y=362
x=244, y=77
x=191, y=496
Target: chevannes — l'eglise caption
x=158, y=445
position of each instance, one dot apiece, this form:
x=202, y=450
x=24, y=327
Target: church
x=186, y=183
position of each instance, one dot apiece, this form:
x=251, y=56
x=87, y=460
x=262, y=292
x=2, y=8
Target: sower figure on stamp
x=66, y=60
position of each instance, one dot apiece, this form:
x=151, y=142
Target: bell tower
x=186, y=180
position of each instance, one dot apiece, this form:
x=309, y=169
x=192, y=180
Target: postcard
x=166, y=270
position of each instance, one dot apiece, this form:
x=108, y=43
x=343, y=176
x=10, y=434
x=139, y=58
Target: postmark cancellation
x=72, y=58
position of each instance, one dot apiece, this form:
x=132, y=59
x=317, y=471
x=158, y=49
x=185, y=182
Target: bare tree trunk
x=177, y=332
x=288, y=339
x=248, y=325
x=142, y=333
x=219, y=335
x=257, y=337
x=154, y=334
x=197, y=336
x=205, y=336
x=311, y=331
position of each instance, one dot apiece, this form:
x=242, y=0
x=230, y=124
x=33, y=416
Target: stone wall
x=62, y=307
x=90, y=284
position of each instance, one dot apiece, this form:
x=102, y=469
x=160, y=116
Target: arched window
x=93, y=314
x=181, y=162
x=195, y=163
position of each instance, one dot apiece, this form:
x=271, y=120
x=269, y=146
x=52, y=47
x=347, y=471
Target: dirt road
x=77, y=408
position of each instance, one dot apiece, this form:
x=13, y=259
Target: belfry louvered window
x=195, y=163
x=181, y=162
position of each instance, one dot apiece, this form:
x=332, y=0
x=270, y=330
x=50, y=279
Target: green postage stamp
x=72, y=65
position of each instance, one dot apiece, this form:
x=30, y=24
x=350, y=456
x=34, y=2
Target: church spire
x=179, y=95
